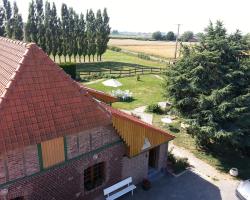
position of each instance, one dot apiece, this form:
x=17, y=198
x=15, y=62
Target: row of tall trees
x=11, y=22
x=70, y=35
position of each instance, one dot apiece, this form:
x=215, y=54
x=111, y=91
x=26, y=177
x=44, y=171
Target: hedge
x=69, y=68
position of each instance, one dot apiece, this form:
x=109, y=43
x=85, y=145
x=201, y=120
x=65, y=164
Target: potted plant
x=146, y=184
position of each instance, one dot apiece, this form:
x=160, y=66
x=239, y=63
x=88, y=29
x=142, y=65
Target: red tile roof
x=38, y=101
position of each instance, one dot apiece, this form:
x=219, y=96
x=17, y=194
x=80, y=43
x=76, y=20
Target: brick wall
x=67, y=182
x=18, y=163
x=136, y=167
x=90, y=140
x=162, y=158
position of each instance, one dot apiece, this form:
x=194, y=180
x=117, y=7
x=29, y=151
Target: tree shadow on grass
x=108, y=65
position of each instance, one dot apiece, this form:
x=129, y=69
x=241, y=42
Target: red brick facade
x=67, y=180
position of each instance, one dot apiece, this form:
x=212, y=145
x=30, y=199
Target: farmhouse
x=61, y=140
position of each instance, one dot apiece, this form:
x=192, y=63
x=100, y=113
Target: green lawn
x=147, y=90
x=223, y=162
x=115, y=60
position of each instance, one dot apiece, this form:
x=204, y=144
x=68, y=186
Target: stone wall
x=136, y=167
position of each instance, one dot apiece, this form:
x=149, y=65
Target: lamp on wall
x=95, y=157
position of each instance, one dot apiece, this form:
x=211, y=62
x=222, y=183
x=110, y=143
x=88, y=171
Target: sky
x=163, y=15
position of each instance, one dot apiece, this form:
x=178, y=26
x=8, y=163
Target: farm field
x=147, y=90
x=155, y=48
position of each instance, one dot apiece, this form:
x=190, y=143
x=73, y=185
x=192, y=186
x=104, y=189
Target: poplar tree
x=2, y=28
x=105, y=33
x=60, y=39
x=99, y=33
x=31, y=26
x=76, y=35
x=48, y=28
x=17, y=24
x=91, y=33
x=82, y=41
x=65, y=29
x=41, y=41
x=71, y=39
x=54, y=31
x=8, y=20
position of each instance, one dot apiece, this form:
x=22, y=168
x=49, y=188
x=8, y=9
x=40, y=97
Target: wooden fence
x=123, y=72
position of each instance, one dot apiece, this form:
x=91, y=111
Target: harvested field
x=154, y=48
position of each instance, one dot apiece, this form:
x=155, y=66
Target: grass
x=116, y=60
x=146, y=91
x=221, y=161
x=120, y=60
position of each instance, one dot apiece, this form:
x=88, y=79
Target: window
x=53, y=152
x=94, y=176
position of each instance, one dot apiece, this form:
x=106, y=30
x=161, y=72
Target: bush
x=143, y=56
x=125, y=96
x=70, y=69
x=154, y=108
x=178, y=164
x=112, y=48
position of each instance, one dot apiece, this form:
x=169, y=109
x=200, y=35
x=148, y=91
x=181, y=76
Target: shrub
x=112, y=48
x=125, y=96
x=143, y=56
x=70, y=69
x=178, y=164
x=154, y=108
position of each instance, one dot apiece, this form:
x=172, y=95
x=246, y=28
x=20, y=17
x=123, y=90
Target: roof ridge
x=18, y=42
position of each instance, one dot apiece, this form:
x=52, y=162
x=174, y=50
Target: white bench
x=113, y=191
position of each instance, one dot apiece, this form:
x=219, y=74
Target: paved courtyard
x=188, y=186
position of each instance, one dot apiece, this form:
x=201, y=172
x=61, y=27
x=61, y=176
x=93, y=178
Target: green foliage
x=186, y=36
x=2, y=16
x=157, y=35
x=143, y=56
x=17, y=24
x=91, y=33
x=31, y=25
x=112, y=48
x=8, y=18
x=210, y=86
x=178, y=164
x=154, y=108
x=170, y=36
x=69, y=68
